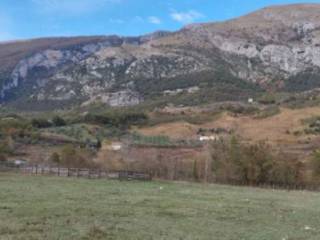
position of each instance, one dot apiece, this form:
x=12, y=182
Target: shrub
x=303, y=81
x=195, y=170
x=3, y=157
x=58, y=121
x=313, y=125
x=233, y=162
x=268, y=112
x=120, y=119
x=99, y=144
x=7, y=146
x=286, y=172
x=11, y=126
x=316, y=165
x=267, y=98
x=55, y=158
x=71, y=156
x=41, y=123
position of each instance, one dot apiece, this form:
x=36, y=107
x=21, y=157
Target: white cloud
x=186, y=17
x=71, y=7
x=154, y=20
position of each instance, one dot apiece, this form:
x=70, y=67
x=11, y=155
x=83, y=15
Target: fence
x=132, y=175
x=75, y=172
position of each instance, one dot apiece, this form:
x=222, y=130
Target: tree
x=7, y=146
x=256, y=164
x=3, y=157
x=71, y=156
x=316, y=165
x=58, y=121
x=99, y=144
x=41, y=123
x=267, y=98
x=195, y=170
x=55, y=158
x=4, y=151
x=286, y=171
x=238, y=162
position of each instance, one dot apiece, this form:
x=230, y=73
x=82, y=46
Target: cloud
x=71, y=7
x=186, y=17
x=154, y=20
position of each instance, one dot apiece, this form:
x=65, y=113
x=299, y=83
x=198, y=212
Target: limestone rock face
x=273, y=43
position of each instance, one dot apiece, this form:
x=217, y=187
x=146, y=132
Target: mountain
x=276, y=48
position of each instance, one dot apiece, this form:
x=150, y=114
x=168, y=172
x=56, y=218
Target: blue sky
x=24, y=19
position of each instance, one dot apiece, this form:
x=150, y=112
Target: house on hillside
x=20, y=162
x=115, y=146
x=213, y=134
x=209, y=138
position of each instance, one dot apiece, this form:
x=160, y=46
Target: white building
x=208, y=138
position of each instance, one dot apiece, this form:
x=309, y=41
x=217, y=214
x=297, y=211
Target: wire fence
x=75, y=172
x=88, y=173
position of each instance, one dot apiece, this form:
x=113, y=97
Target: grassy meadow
x=59, y=208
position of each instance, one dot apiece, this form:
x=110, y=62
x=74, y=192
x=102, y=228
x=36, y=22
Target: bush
x=303, y=81
x=285, y=172
x=7, y=146
x=253, y=164
x=267, y=98
x=71, y=156
x=11, y=125
x=58, y=121
x=313, y=125
x=195, y=170
x=41, y=123
x=316, y=166
x=268, y=112
x=55, y=158
x=3, y=158
x=120, y=119
x=239, y=108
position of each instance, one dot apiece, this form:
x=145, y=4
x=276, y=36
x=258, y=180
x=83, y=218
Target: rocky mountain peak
x=267, y=48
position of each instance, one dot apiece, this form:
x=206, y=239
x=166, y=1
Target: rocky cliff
x=273, y=48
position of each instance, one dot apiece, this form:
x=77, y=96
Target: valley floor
x=57, y=208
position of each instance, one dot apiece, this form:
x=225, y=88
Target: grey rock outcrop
x=273, y=43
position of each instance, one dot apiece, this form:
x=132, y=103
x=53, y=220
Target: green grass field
x=60, y=208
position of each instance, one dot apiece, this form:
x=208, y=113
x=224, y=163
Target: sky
x=25, y=19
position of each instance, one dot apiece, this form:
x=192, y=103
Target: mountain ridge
x=261, y=50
